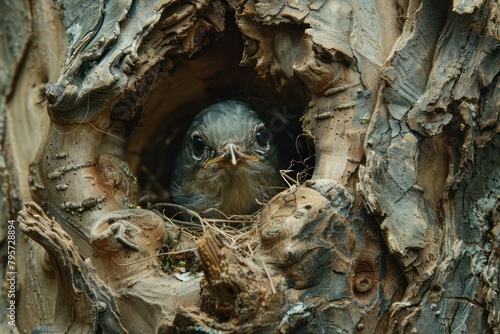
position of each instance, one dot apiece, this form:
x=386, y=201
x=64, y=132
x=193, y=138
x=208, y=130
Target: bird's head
x=228, y=160
x=228, y=135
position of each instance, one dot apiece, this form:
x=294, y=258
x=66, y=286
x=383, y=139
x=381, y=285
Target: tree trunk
x=397, y=231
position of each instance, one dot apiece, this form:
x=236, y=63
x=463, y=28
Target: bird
x=228, y=162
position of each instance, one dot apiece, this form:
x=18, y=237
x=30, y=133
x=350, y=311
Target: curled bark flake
x=121, y=45
x=466, y=6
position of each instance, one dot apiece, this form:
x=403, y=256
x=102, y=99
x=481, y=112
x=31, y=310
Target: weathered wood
x=316, y=262
x=77, y=279
x=396, y=232
x=432, y=98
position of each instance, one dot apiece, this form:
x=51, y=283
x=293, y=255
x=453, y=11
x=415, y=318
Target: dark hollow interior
x=212, y=75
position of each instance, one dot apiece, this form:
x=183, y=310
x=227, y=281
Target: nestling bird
x=228, y=161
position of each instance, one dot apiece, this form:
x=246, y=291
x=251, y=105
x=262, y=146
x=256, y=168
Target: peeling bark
x=397, y=231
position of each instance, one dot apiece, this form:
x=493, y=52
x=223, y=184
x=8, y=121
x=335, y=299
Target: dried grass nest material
x=186, y=227
x=179, y=251
x=238, y=230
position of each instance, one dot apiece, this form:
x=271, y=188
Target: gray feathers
x=207, y=176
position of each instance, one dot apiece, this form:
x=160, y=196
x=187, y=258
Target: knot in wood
x=363, y=282
x=110, y=176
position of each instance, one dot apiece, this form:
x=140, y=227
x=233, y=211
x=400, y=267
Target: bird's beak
x=231, y=156
x=231, y=153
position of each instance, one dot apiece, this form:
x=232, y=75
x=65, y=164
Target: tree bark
x=397, y=231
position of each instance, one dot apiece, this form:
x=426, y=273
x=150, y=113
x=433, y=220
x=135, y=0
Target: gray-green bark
x=398, y=230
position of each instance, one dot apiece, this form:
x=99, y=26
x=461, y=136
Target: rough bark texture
x=397, y=231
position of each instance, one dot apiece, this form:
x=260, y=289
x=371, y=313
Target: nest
x=241, y=232
x=185, y=227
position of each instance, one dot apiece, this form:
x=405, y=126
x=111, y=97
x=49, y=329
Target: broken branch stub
x=84, y=300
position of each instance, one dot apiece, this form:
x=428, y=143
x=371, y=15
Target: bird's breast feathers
x=229, y=190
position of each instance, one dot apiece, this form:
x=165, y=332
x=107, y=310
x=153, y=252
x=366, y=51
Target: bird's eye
x=262, y=137
x=198, y=145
